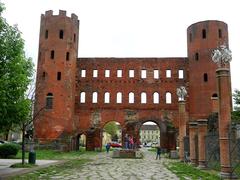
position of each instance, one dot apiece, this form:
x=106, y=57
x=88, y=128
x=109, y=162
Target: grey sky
x=130, y=28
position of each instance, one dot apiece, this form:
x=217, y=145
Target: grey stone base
x=127, y=153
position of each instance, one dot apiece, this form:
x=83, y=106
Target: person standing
x=131, y=142
x=158, y=152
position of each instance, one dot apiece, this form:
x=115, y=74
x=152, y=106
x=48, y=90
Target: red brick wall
x=53, y=122
x=200, y=92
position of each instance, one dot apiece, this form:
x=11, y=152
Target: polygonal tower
x=203, y=37
x=55, y=85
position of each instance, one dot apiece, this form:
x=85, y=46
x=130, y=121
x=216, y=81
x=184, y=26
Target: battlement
x=61, y=13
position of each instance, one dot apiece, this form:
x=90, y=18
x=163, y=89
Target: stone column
x=182, y=127
x=192, y=134
x=224, y=119
x=202, y=132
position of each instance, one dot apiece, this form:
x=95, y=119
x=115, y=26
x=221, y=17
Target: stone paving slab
x=104, y=167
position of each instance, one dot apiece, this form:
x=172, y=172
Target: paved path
x=5, y=164
x=104, y=167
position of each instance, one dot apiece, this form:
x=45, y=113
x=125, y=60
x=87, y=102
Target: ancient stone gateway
x=80, y=95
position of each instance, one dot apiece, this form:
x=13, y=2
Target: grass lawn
x=51, y=154
x=57, y=171
x=185, y=171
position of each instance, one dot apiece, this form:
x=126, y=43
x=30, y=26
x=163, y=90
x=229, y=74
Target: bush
x=8, y=149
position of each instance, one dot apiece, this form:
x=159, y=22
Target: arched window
x=46, y=34
x=49, y=101
x=131, y=97
x=52, y=54
x=168, y=98
x=82, y=97
x=204, y=34
x=196, y=56
x=205, y=77
x=67, y=56
x=215, y=95
x=219, y=33
x=107, y=97
x=61, y=34
x=119, y=97
x=94, y=97
x=155, y=98
x=190, y=37
x=143, y=98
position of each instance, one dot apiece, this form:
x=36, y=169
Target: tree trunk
x=23, y=144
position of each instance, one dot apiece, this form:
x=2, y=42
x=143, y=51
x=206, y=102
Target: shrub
x=8, y=149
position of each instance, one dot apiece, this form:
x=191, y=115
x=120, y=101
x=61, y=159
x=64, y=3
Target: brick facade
x=70, y=81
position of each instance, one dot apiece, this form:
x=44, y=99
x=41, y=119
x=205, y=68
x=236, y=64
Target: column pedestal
x=202, y=131
x=192, y=134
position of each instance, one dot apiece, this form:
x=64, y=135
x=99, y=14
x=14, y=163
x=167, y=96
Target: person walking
x=108, y=147
x=158, y=152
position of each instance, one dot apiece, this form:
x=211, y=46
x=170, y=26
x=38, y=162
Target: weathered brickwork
x=72, y=81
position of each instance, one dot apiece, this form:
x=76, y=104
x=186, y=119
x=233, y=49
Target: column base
x=227, y=175
x=194, y=162
x=202, y=165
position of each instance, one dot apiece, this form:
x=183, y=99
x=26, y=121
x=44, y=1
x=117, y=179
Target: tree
x=236, y=98
x=111, y=128
x=15, y=75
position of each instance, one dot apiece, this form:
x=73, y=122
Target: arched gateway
x=86, y=93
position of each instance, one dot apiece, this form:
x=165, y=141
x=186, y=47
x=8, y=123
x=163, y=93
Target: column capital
x=202, y=122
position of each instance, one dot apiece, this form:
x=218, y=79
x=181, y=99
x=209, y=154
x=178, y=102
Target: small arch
x=49, y=101
x=94, y=97
x=119, y=97
x=143, y=98
x=155, y=98
x=131, y=98
x=82, y=97
x=61, y=33
x=205, y=77
x=204, y=34
x=107, y=97
x=168, y=98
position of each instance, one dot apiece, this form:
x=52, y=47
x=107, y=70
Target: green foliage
x=8, y=150
x=236, y=96
x=186, y=171
x=15, y=75
x=51, y=154
x=111, y=128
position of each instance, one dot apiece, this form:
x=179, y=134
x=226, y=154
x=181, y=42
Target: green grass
x=51, y=154
x=184, y=171
x=55, y=171
x=25, y=165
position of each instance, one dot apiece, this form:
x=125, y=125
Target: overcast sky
x=130, y=28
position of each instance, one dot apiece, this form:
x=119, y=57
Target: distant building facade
x=150, y=134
